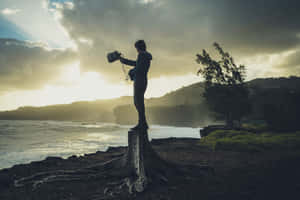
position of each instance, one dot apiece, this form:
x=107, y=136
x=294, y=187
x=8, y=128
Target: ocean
x=26, y=141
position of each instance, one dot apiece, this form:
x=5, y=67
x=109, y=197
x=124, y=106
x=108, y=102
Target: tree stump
x=137, y=147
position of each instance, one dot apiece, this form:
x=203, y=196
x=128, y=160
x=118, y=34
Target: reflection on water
x=26, y=141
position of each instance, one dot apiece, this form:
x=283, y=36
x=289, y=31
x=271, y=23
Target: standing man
x=139, y=76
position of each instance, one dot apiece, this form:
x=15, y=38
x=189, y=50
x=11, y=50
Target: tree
x=225, y=90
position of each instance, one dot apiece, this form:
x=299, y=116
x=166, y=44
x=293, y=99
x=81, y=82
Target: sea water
x=26, y=141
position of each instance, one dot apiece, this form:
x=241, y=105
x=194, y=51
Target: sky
x=54, y=51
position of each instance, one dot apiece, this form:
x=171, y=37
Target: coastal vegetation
x=250, y=141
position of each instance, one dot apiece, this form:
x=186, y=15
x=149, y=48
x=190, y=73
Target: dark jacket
x=142, y=65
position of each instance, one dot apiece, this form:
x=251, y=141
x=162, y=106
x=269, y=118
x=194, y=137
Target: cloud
x=255, y=27
x=36, y=20
x=116, y=25
x=28, y=65
x=9, y=11
x=176, y=30
x=290, y=63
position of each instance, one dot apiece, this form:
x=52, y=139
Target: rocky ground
x=237, y=175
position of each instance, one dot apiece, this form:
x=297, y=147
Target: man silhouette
x=139, y=76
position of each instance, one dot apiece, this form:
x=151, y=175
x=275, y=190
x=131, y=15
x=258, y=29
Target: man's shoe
x=143, y=126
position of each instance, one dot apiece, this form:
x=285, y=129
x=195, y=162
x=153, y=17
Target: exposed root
x=128, y=186
x=83, y=174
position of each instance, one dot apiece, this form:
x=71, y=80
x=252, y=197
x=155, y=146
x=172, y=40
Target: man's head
x=140, y=45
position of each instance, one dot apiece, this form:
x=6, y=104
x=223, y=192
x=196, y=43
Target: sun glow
x=73, y=85
x=84, y=86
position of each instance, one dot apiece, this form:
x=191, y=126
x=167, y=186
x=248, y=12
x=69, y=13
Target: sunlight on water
x=26, y=141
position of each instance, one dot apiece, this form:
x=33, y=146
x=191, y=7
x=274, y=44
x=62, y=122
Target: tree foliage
x=225, y=90
x=281, y=109
x=223, y=72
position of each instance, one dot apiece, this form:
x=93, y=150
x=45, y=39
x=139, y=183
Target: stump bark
x=138, y=144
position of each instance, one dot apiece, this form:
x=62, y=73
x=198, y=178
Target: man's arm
x=128, y=62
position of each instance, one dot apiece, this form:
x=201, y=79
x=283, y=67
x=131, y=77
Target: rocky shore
x=237, y=175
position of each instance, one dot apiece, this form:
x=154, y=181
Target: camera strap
x=125, y=73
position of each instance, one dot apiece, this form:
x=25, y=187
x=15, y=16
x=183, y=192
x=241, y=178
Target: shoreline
x=109, y=149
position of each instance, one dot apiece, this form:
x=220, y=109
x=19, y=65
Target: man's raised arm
x=128, y=62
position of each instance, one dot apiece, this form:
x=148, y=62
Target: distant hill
x=189, y=95
x=292, y=83
x=182, y=107
x=103, y=110
x=99, y=110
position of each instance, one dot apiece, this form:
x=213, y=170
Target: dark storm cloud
x=176, y=30
x=27, y=66
x=257, y=26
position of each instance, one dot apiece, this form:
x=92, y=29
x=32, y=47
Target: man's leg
x=140, y=105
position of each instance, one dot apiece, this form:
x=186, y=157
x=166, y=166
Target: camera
x=113, y=56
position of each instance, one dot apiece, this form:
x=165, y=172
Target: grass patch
x=234, y=140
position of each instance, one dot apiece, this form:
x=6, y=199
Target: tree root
x=83, y=174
